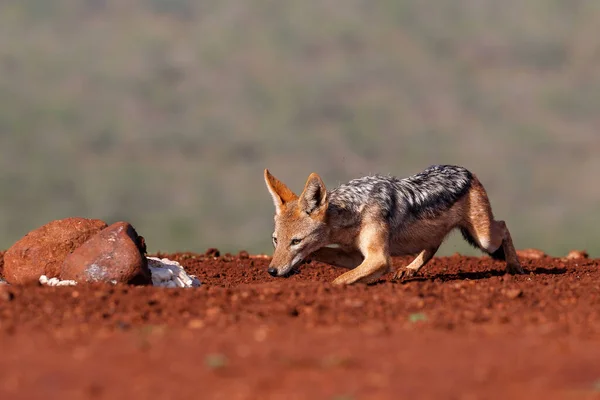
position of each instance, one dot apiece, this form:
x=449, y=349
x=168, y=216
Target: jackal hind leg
x=513, y=266
x=374, y=244
x=337, y=257
x=413, y=268
x=494, y=238
x=490, y=235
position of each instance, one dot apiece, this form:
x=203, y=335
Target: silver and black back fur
x=420, y=196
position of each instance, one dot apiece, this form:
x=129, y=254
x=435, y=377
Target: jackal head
x=300, y=226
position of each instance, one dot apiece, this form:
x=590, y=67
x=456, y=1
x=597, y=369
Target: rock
x=212, y=252
x=116, y=255
x=577, y=254
x=531, y=253
x=513, y=293
x=243, y=255
x=196, y=324
x=43, y=250
x=6, y=294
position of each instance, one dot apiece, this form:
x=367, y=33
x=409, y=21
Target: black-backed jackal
x=372, y=218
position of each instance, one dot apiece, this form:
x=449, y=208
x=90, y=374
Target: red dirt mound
x=463, y=329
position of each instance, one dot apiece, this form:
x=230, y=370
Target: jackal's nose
x=272, y=271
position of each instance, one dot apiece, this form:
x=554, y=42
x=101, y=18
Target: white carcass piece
x=56, y=282
x=170, y=274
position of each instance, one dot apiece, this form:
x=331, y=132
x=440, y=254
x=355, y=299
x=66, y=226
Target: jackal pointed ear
x=314, y=197
x=279, y=191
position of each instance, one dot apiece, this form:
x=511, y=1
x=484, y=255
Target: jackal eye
x=295, y=241
x=274, y=241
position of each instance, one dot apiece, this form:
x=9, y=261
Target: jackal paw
x=514, y=269
x=404, y=273
x=341, y=280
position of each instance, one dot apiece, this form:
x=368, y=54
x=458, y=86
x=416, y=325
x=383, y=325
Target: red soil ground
x=463, y=330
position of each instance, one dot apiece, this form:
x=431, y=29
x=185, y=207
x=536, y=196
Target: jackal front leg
x=338, y=257
x=371, y=269
x=413, y=268
x=374, y=244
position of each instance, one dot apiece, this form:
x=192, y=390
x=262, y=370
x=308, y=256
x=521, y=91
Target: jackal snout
x=285, y=260
x=280, y=272
x=294, y=240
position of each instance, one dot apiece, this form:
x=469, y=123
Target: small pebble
x=513, y=293
x=243, y=255
x=212, y=252
x=195, y=324
x=577, y=254
x=531, y=253
x=6, y=294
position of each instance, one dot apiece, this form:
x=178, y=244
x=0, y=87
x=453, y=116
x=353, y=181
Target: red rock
x=5, y=293
x=243, y=254
x=531, y=253
x=513, y=293
x=116, y=254
x=577, y=254
x=212, y=252
x=43, y=250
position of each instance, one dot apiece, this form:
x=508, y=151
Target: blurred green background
x=164, y=113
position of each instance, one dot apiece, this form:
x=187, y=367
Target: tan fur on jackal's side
x=372, y=218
